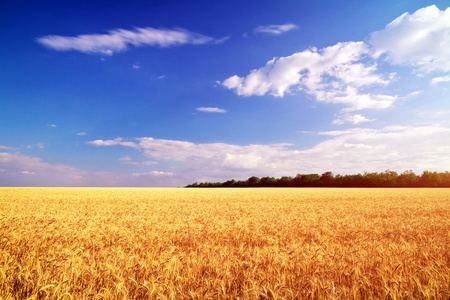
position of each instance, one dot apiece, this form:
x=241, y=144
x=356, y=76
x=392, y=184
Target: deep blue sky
x=166, y=93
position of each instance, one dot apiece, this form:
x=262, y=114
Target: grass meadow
x=260, y=243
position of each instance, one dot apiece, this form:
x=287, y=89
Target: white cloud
x=211, y=109
x=211, y=158
x=28, y=172
x=81, y=133
x=349, y=145
x=421, y=39
x=355, y=119
x=415, y=93
x=52, y=125
x=114, y=142
x=335, y=74
x=136, y=66
x=118, y=40
x=343, y=73
x=437, y=80
x=346, y=152
x=167, y=150
x=275, y=29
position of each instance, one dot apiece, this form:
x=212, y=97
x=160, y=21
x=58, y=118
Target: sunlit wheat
x=75, y=243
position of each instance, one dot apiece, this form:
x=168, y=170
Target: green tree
x=407, y=179
x=327, y=179
x=229, y=183
x=445, y=179
x=430, y=179
x=284, y=181
x=253, y=181
x=390, y=178
x=268, y=181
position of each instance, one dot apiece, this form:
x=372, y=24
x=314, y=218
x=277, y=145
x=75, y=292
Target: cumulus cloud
x=275, y=29
x=118, y=40
x=347, y=73
x=335, y=74
x=421, y=39
x=211, y=109
x=346, y=152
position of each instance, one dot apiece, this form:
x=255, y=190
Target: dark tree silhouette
x=387, y=178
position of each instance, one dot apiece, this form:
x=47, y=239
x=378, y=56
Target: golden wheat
x=93, y=243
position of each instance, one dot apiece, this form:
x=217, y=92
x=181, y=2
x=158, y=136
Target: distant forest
x=384, y=179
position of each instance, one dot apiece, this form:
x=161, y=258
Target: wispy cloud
x=24, y=170
x=346, y=151
x=118, y=40
x=434, y=114
x=3, y=147
x=17, y=169
x=211, y=110
x=437, y=80
x=81, y=133
x=129, y=161
x=275, y=29
x=42, y=145
x=125, y=158
x=153, y=174
x=217, y=154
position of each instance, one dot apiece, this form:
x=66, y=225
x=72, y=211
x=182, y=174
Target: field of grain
x=117, y=243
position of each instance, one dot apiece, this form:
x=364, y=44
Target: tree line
x=387, y=178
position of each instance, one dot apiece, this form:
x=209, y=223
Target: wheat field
x=274, y=243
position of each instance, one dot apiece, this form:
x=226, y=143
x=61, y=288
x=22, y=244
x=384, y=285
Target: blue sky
x=167, y=93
